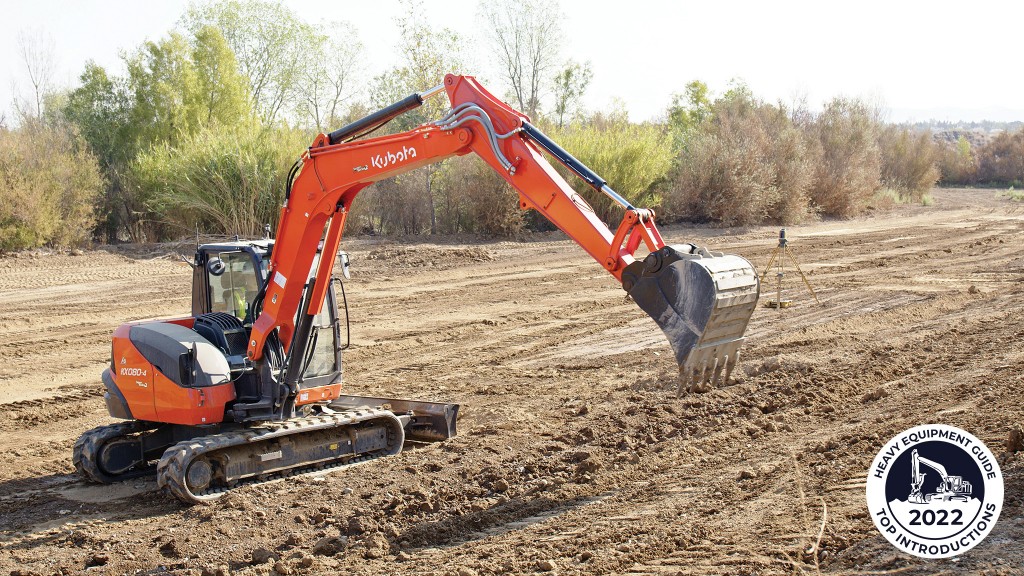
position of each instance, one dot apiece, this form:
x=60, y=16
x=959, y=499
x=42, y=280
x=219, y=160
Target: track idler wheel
x=91, y=460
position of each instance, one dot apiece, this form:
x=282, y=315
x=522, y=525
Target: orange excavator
x=248, y=387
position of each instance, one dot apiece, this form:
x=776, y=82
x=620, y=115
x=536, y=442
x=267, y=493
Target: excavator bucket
x=702, y=301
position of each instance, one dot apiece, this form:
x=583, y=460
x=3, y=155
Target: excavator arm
x=702, y=301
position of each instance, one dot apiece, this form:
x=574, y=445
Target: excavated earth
x=574, y=453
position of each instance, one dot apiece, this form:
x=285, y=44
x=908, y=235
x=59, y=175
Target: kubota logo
x=385, y=160
x=133, y=372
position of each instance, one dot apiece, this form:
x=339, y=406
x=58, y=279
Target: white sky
x=945, y=60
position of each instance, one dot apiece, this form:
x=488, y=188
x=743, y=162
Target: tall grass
x=226, y=181
x=632, y=158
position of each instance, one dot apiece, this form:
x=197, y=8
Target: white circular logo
x=935, y=491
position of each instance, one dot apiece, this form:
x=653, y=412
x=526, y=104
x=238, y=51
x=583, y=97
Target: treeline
x=201, y=130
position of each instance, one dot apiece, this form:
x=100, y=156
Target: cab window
x=235, y=288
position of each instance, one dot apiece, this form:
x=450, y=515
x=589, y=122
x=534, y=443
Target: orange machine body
x=151, y=396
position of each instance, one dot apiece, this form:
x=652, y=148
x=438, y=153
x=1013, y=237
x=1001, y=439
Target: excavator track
x=204, y=469
x=88, y=452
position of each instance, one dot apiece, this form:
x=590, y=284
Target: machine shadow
x=33, y=506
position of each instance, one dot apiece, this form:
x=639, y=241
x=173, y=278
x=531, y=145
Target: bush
x=1001, y=161
x=49, y=181
x=488, y=205
x=745, y=165
x=632, y=158
x=848, y=170
x=909, y=161
x=957, y=162
x=226, y=181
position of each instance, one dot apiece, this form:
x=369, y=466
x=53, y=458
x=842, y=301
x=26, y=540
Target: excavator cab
x=227, y=277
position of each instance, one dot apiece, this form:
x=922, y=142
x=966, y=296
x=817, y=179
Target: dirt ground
x=574, y=454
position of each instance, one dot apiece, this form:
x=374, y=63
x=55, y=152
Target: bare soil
x=574, y=455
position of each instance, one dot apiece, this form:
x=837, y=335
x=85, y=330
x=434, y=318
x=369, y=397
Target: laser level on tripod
x=779, y=255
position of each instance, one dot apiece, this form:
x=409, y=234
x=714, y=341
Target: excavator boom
x=701, y=300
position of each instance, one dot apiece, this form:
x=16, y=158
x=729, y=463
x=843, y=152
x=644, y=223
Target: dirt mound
x=429, y=257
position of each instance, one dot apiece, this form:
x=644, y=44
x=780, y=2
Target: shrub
x=228, y=181
x=488, y=205
x=958, y=164
x=49, y=181
x=632, y=158
x=1001, y=161
x=745, y=165
x=848, y=170
x=909, y=161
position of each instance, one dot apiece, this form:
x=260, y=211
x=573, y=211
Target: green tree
x=101, y=109
x=688, y=111
x=161, y=78
x=220, y=92
x=570, y=85
x=270, y=42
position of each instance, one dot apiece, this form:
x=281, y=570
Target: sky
x=920, y=60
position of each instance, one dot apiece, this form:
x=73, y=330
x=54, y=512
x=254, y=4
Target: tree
x=688, y=111
x=220, y=93
x=160, y=79
x=328, y=81
x=175, y=87
x=36, y=52
x=570, y=85
x=525, y=37
x=427, y=55
x=101, y=109
x=270, y=43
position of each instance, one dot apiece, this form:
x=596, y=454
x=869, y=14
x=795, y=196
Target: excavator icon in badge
x=952, y=488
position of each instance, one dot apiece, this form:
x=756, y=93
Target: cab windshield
x=234, y=289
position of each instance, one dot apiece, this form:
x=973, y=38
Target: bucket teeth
x=702, y=301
